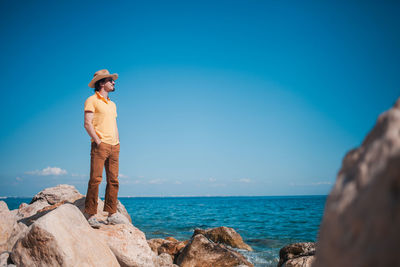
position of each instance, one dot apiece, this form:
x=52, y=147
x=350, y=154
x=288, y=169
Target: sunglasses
x=110, y=80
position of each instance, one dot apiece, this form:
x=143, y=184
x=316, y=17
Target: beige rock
x=4, y=258
x=361, y=222
x=18, y=231
x=102, y=215
x=128, y=244
x=27, y=211
x=54, y=195
x=201, y=252
x=62, y=237
x=224, y=235
x=296, y=250
x=7, y=222
x=305, y=261
x=165, y=260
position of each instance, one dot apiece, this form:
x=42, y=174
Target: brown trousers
x=103, y=155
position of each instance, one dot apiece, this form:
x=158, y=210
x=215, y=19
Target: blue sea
x=265, y=223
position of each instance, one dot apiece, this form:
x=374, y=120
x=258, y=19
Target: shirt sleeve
x=89, y=105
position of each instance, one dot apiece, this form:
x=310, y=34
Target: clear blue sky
x=214, y=97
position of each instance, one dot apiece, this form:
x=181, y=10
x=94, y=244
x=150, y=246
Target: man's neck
x=104, y=93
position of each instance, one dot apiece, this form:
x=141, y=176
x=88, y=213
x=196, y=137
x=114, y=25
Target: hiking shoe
x=115, y=219
x=94, y=222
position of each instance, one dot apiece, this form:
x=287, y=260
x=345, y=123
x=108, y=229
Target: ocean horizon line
x=188, y=196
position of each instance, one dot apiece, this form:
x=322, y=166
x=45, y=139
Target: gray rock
x=361, y=222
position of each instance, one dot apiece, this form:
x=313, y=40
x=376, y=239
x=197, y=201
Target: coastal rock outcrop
x=62, y=237
x=297, y=255
x=57, y=194
x=161, y=246
x=7, y=223
x=361, y=222
x=128, y=244
x=201, y=252
x=224, y=235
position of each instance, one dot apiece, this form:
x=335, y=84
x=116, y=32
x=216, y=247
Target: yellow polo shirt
x=104, y=118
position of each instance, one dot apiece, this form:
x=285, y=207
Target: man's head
x=108, y=84
x=103, y=79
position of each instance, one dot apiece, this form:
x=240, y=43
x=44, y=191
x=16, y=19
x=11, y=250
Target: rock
x=172, y=248
x=4, y=258
x=361, y=222
x=18, y=231
x=102, y=215
x=160, y=246
x=305, y=261
x=201, y=252
x=62, y=237
x=170, y=238
x=54, y=195
x=128, y=244
x=26, y=211
x=165, y=260
x=295, y=250
x=224, y=235
x=155, y=243
x=7, y=222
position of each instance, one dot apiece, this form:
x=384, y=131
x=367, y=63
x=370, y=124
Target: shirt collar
x=102, y=97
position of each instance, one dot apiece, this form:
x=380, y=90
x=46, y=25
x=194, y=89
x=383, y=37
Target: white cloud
x=48, y=171
x=178, y=182
x=212, y=180
x=245, y=180
x=18, y=178
x=311, y=184
x=156, y=181
x=78, y=175
x=122, y=176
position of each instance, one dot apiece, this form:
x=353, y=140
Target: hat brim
x=99, y=77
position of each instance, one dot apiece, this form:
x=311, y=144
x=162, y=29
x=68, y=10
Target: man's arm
x=116, y=128
x=89, y=127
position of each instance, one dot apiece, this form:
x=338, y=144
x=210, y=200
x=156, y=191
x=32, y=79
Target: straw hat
x=101, y=74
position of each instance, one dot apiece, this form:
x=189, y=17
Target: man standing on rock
x=101, y=125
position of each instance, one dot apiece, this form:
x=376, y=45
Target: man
x=101, y=125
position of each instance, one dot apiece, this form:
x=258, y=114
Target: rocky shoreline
x=360, y=226
x=52, y=231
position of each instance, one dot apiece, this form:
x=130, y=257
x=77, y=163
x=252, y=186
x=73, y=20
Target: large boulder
x=161, y=246
x=62, y=237
x=102, y=215
x=224, y=235
x=201, y=252
x=128, y=244
x=361, y=222
x=305, y=261
x=54, y=195
x=297, y=254
x=7, y=225
x=4, y=258
x=25, y=211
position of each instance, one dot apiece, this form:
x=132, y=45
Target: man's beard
x=113, y=89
